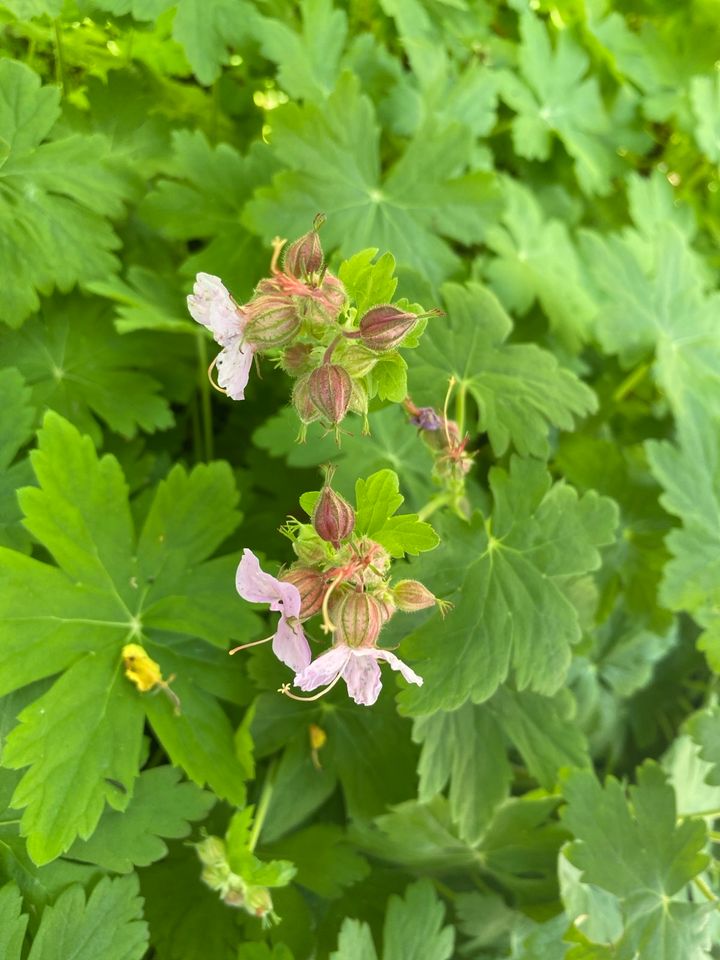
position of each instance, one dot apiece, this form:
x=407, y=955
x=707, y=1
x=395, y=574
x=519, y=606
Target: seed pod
x=411, y=596
x=310, y=585
x=273, y=321
x=330, y=388
x=385, y=327
x=305, y=256
x=359, y=618
x=333, y=518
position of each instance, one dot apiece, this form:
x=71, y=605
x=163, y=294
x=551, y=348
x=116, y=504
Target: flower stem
x=705, y=889
x=59, y=58
x=460, y=409
x=262, y=807
x=630, y=382
x=441, y=500
x=205, y=405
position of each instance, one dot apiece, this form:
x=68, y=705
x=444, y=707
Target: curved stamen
x=327, y=625
x=210, y=378
x=285, y=690
x=255, y=643
x=451, y=385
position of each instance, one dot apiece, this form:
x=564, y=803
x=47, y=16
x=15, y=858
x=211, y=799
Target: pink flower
x=253, y=584
x=358, y=667
x=212, y=306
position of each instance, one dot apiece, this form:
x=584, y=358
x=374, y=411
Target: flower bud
x=305, y=408
x=333, y=296
x=359, y=618
x=216, y=877
x=310, y=550
x=385, y=327
x=305, y=256
x=258, y=902
x=296, y=359
x=211, y=851
x=311, y=587
x=330, y=389
x=273, y=321
x=333, y=518
x=357, y=359
x=411, y=596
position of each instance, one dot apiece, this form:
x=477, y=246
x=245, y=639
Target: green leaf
x=206, y=35
x=82, y=738
x=55, y=201
x=332, y=153
x=556, y=97
x=16, y=420
x=325, y=860
x=690, y=475
x=12, y=922
x=466, y=748
x=369, y=281
x=535, y=259
x=413, y=927
x=704, y=728
x=660, y=285
x=161, y=806
x=108, y=924
x=705, y=95
x=389, y=378
x=242, y=860
x=637, y=852
x=308, y=58
x=203, y=198
x=512, y=612
x=520, y=389
x=377, y=499
x=76, y=364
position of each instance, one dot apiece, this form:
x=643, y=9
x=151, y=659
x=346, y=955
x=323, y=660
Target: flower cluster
x=233, y=889
x=302, y=317
x=343, y=579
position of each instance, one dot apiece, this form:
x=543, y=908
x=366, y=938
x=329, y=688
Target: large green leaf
x=55, y=198
x=16, y=420
x=332, y=151
x=512, y=610
x=520, y=389
x=109, y=590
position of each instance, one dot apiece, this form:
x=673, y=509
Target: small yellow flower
x=145, y=673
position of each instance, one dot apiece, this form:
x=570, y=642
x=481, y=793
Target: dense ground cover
x=538, y=185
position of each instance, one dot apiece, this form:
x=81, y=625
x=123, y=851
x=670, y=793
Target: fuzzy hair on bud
x=411, y=596
x=359, y=618
x=385, y=327
x=333, y=518
x=305, y=256
x=296, y=359
x=330, y=388
x=273, y=321
x=310, y=585
x=302, y=401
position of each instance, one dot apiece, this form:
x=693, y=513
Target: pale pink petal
x=212, y=306
x=395, y=662
x=256, y=586
x=362, y=675
x=325, y=669
x=290, y=646
x=233, y=365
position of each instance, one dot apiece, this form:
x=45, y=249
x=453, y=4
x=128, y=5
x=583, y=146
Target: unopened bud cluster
x=345, y=576
x=452, y=462
x=303, y=316
x=233, y=890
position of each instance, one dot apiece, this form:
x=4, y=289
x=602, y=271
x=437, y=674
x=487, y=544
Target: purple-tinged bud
x=334, y=295
x=385, y=327
x=273, y=321
x=330, y=387
x=302, y=401
x=296, y=359
x=305, y=256
x=411, y=596
x=333, y=518
x=427, y=419
x=311, y=586
x=359, y=617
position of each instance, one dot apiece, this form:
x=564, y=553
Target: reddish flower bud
x=311, y=587
x=333, y=296
x=359, y=618
x=384, y=328
x=330, y=387
x=411, y=596
x=273, y=321
x=333, y=518
x=305, y=256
